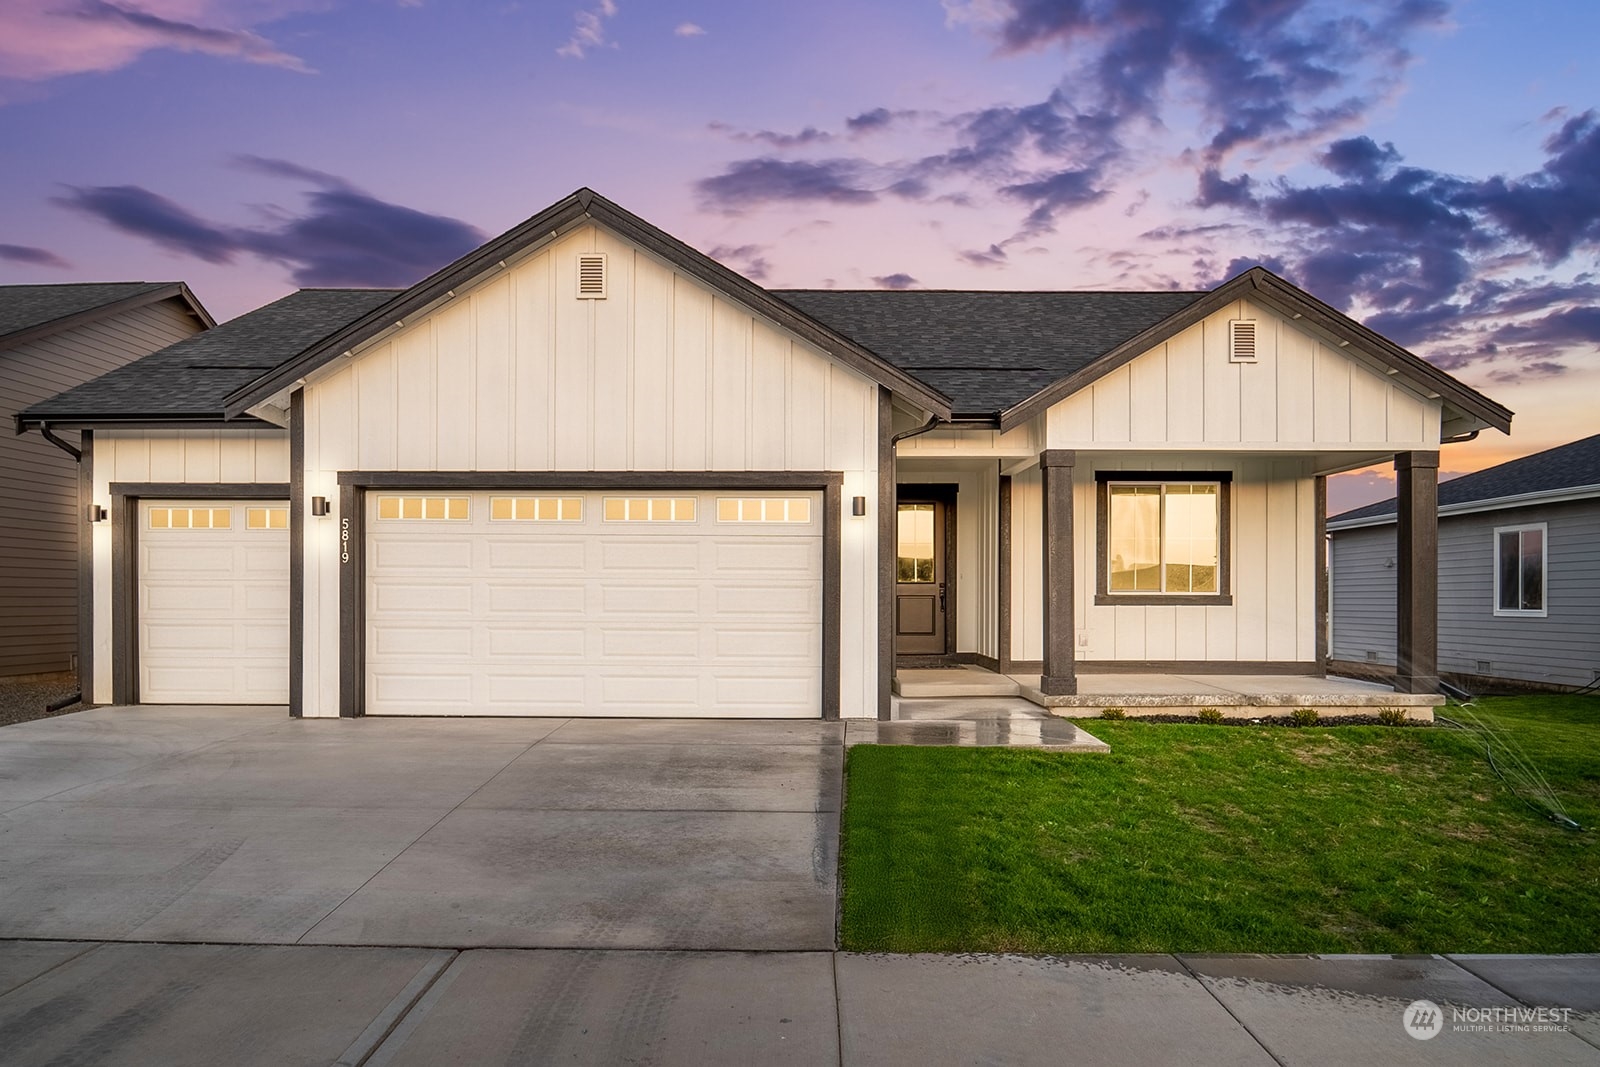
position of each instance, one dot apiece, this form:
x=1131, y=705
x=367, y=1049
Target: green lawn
x=1228, y=839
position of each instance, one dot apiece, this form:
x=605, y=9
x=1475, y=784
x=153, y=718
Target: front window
x=1164, y=538
x=1519, y=570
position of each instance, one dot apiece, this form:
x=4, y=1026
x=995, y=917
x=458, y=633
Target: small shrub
x=1210, y=716
x=1113, y=713
x=1392, y=716
x=1304, y=716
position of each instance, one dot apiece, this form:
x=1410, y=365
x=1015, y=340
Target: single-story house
x=1519, y=575
x=53, y=337
x=586, y=469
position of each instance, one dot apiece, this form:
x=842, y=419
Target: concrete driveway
x=241, y=825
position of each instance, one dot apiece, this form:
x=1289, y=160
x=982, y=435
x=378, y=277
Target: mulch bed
x=25, y=701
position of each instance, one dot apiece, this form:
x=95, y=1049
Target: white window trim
x=1544, y=572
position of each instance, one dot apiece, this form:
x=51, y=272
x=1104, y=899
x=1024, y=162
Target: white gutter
x=1499, y=503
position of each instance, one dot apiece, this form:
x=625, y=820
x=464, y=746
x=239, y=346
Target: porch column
x=1417, y=572
x=1055, y=470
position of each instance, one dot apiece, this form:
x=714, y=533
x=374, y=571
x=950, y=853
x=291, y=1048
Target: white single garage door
x=213, y=602
x=594, y=603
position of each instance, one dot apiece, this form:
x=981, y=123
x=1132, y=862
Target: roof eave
x=24, y=421
x=570, y=211
x=1472, y=507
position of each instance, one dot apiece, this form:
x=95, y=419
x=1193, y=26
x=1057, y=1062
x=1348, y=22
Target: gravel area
x=24, y=701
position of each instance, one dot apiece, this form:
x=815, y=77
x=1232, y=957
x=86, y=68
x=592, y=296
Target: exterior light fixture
x=319, y=506
x=96, y=513
x=858, y=505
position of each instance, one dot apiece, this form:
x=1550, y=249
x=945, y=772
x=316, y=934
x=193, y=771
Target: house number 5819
x=344, y=540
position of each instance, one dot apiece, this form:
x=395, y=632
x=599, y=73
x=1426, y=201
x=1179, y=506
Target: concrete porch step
x=936, y=682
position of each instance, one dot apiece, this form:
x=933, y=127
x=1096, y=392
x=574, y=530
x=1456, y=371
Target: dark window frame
x=1102, y=593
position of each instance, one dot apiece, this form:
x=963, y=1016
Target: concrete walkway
x=85, y=1003
x=183, y=885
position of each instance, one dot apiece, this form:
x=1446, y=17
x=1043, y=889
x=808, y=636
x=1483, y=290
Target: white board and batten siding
x=1301, y=392
x=516, y=373
x=1272, y=528
x=197, y=457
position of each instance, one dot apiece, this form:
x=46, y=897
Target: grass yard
x=1194, y=838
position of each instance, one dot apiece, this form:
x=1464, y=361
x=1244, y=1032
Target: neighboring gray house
x=54, y=337
x=1519, y=574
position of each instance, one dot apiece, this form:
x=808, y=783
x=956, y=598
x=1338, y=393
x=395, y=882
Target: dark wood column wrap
x=1417, y=572
x=1060, y=676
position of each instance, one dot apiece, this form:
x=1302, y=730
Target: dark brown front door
x=922, y=600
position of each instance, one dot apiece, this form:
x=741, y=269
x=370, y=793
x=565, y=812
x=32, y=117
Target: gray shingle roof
x=191, y=378
x=1563, y=467
x=27, y=307
x=988, y=351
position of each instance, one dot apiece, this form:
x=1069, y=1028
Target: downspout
x=932, y=423
x=77, y=457
x=76, y=454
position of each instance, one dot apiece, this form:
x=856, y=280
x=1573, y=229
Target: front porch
x=1235, y=696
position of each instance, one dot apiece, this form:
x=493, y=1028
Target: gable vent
x=592, y=276
x=1241, y=340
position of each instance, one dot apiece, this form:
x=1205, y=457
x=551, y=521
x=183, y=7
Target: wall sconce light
x=319, y=506
x=96, y=513
x=858, y=505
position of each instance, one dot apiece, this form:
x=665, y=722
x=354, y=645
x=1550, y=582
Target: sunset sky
x=1432, y=167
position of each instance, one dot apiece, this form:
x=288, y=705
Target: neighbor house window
x=1163, y=538
x=1519, y=569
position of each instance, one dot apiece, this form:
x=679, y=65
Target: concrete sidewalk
x=86, y=1003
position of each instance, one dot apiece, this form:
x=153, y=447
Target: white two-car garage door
x=594, y=603
x=213, y=602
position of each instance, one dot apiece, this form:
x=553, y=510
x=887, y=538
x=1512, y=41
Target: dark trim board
x=886, y=551
x=1102, y=539
x=85, y=569
x=1059, y=677
x=1324, y=624
x=297, y=553
x=1003, y=663
x=354, y=485
x=125, y=498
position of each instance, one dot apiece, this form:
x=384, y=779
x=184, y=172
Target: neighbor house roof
x=28, y=312
x=988, y=351
x=1569, y=471
x=188, y=381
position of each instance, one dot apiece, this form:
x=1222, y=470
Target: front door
x=922, y=598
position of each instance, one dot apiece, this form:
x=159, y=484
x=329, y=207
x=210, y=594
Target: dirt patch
x=24, y=701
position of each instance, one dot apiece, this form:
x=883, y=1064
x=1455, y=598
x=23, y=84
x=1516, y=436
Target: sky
x=1431, y=167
